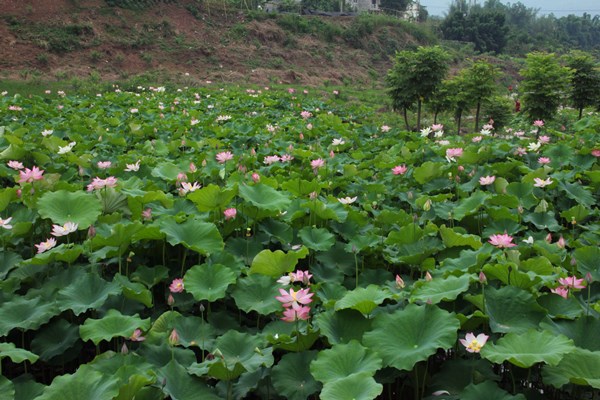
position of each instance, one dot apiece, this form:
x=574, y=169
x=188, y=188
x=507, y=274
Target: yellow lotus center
x=475, y=346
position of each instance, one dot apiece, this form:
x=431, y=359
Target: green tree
x=415, y=76
x=396, y=5
x=480, y=84
x=458, y=96
x=585, y=81
x=545, y=82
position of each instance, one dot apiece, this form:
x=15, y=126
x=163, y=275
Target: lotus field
x=231, y=244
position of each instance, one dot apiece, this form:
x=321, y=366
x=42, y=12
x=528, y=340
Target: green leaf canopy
x=208, y=281
x=63, y=206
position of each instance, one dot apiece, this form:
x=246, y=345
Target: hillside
x=194, y=42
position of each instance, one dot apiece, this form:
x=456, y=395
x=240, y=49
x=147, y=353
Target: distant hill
x=196, y=41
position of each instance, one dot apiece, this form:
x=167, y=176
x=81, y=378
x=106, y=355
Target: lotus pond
x=231, y=244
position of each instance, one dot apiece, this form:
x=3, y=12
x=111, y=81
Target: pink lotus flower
x=5, y=223
x=399, y=169
x=47, y=245
x=544, y=160
x=271, y=160
x=476, y=139
x=572, y=282
x=286, y=158
x=64, y=230
x=224, y=156
x=187, y=187
x=176, y=286
x=482, y=277
x=230, y=213
x=316, y=164
x=486, y=180
x=385, y=128
x=293, y=298
x=147, y=214
x=30, y=175
x=104, y=164
x=502, y=241
x=542, y=182
x=520, y=151
x=596, y=152
x=133, y=167
x=301, y=276
x=538, y=123
x=544, y=139
x=16, y=165
x=136, y=336
x=347, y=200
x=451, y=154
x=561, y=291
x=99, y=183
x=472, y=343
x=255, y=177
x=437, y=127
x=306, y=114
x=296, y=313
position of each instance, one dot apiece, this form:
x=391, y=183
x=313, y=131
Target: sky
x=559, y=8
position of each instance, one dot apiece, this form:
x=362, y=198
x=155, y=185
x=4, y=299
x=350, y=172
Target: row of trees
x=516, y=29
x=421, y=77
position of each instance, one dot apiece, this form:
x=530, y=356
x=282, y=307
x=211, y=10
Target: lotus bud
x=428, y=277
x=201, y=308
x=400, y=282
x=91, y=232
x=173, y=338
x=124, y=349
x=549, y=238
x=170, y=300
x=561, y=243
x=427, y=205
x=588, y=277
x=410, y=195
x=331, y=154
x=520, y=209
x=255, y=177
x=573, y=261
x=461, y=168
x=19, y=193
x=482, y=278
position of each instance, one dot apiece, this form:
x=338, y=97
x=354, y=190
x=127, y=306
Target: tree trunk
x=580, y=112
x=458, y=120
x=419, y=115
x=435, y=114
x=477, y=116
x=406, y=119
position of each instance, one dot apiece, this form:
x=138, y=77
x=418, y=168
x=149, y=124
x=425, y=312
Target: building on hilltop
x=411, y=12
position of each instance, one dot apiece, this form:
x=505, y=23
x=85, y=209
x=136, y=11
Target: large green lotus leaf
x=265, y=197
x=427, y=171
x=134, y=383
x=208, y=281
x=239, y=352
x=300, y=187
x=327, y=211
x=508, y=272
x=356, y=387
x=6, y=196
x=407, y=234
x=319, y=239
x=291, y=376
x=150, y=276
x=63, y=206
x=577, y=193
x=166, y=171
x=113, y=324
x=179, y=385
x=577, y=330
x=470, y=205
x=488, y=390
x=55, y=338
x=413, y=334
x=580, y=367
x=15, y=354
x=6, y=388
x=456, y=374
x=195, y=331
x=587, y=261
x=511, y=309
x=529, y=348
x=451, y=238
x=86, y=383
x=87, y=291
x=26, y=314
x=559, y=307
x=344, y=360
x=257, y=293
x=440, y=289
x=466, y=260
x=276, y=263
x=342, y=326
x=538, y=265
x=212, y=197
x=8, y=261
x=543, y=221
x=194, y=234
x=364, y=300
x=577, y=213
x=134, y=290
x=26, y=388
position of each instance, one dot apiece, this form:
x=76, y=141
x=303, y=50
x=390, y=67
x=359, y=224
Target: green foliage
x=545, y=84
x=585, y=81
